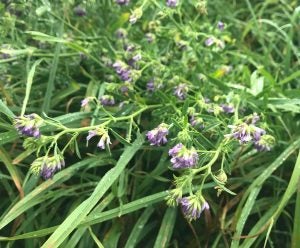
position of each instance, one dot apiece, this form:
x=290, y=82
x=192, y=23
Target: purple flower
x=28, y=125
x=104, y=140
x=196, y=122
x=107, y=100
x=132, y=62
x=51, y=166
x=157, y=136
x=150, y=37
x=227, y=108
x=123, y=71
x=79, y=11
x=151, y=85
x=221, y=25
x=209, y=41
x=183, y=157
x=192, y=207
x=46, y=166
x=265, y=143
x=172, y=3
x=122, y=2
x=181, y=91
x=121, y=33
x=85, y=102
x=245, y=133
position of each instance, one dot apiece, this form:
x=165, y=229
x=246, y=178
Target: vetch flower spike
x=103, y=133
x=46, y=166
x=192, y=206
x=157, y=136
x=29, y=125
x=183, y=157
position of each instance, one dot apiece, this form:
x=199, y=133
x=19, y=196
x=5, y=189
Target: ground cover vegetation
x=150, y=123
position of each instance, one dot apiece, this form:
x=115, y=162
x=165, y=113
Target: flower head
x=157, y=136
x=209, y=41
x=150, y=37
x=104, y=140
x=123, y=71
x=46, y=166
x=79, y=11
x=121, y=33
x=135, y=15
x=85, y=102
x=227, y=108
x=28, y=125
x=264, y=143
x=181, y=91
x=172, y=3
x=183, y=157
x=221, y=25
x=122, y=2
x=196, y=122
x=107, y=100
x=192, y=206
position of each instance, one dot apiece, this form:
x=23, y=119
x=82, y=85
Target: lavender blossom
x=46, y=166
x=245, y=133
x=151, y=85
x=28, y=125
x=123, y=71
x=227, y=108
x=157, y=136
x=85, y=102
x=172, y=3
x=183, y=157
x=121, y=33
x=150, y=37
x=79, y=11
x=104, y=140
x=221, y=25
x=181, y=91
x=265, y=143
x=133, y=61
x=107, y=100
x=209, y=41
x=122, y=2
x=196, y=122
x=192, y=207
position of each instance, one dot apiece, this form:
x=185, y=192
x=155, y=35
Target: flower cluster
x=28, y=125
x=46, y=166
x=183, y=157
x=172, y=3
x=104, y=140
x=157, y=136
x=192, y=206
x=123, y=71
x=107, y=100
x=248, y=131
x=181, y=91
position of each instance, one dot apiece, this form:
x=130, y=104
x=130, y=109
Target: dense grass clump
x=150, y=123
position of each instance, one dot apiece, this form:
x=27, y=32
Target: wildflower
x=150, y=37
x=245, y=133
x=85, y=102
x=221, y=25
x=209, y=41
x=157, y=136
x=183, y=157
x=172, y=3
x=79, y=11
x=181, y=91
x=135, y=15
x=104, y=140
x=192, y=206
x=123, y=71
x=264, y=143
x=227, y=108
x=154, y=84
x=46, y=166
x=132, y=62
x=107, y=100
x=122, y=2
x=28, y=125
x=196, y=122
x=121, y=33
